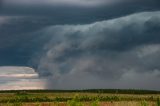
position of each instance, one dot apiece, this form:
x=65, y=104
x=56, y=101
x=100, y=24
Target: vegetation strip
x=28, y=98
x=112, y=91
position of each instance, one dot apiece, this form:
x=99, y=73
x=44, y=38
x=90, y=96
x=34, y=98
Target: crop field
x=80, y=98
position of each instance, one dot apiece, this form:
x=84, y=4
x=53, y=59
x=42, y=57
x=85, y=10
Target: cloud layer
x=112, y=53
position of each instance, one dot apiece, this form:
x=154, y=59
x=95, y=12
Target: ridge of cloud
x=103, y=51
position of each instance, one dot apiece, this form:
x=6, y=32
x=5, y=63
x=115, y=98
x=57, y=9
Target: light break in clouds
x=13, y=78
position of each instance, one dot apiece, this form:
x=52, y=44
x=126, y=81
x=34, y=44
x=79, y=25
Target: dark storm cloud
x=104, y=51
x=56, y=38
x=20, y=38
x=68, y=11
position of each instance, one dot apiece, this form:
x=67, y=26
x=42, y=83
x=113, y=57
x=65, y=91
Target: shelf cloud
x=78, y=44
x=103, y=51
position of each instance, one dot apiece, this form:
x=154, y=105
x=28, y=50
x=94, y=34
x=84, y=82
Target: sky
x=79, y=44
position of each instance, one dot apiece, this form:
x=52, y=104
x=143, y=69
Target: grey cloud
x=70, y=2
x=60, y=2
x=59, y=41
x=71, y=14
x=21, y=38
x=104, y=51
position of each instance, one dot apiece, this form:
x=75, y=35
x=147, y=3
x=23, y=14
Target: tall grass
x=95, y=103
x=75, y=101
x=144, y=103
x=158, y=101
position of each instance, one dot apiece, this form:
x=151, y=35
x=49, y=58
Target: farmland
x=80, y=98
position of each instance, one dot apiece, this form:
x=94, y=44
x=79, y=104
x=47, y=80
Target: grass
x=28, y=98
x=81, y=97
x=120, y=103
x=158, y=102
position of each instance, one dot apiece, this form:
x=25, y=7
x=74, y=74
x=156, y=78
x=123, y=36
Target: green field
x=80, y=98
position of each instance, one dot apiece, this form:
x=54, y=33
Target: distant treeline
x=112, y=91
